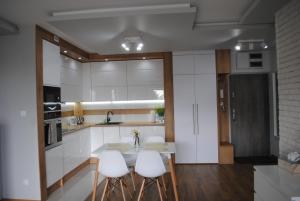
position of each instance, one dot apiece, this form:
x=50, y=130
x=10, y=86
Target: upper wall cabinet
x=186, y=63
x=252, y=62
x=145, y=79
x=108, y=80
x=51, y=64
x=127, y=80
x=71, y=80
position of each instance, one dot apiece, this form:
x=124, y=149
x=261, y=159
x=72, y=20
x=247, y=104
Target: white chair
x=149, y=165
x=113, y=166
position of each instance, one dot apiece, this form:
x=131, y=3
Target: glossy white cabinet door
x=54, y=165
x=206, y=110
x=184, y=103
x=71, y=145
x=86, y=83
x=51, y=64
x=205, y=63
x=183, y=64
x=96, y=138
x=109, y=93
x=145, y=131
x=71, y=93
x=85, y=144
x=145, y=72
x=111, y=134
x=145, y=92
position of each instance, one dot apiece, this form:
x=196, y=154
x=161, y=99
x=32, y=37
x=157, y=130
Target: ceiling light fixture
x=134, y=42
x=251, y=45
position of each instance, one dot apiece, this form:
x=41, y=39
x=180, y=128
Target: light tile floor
x=78, y=188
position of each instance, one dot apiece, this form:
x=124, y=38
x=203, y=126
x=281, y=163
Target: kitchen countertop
x=72, y=129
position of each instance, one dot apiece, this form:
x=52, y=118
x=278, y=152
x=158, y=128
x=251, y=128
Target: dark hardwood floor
x=200, y=183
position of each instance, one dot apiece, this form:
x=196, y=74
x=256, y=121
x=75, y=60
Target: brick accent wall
x=288, y=55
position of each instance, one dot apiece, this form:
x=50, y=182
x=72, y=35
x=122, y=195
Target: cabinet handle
x=197, y=119
x=194, y=118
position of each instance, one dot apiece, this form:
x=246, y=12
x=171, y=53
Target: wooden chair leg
x=105, y=188
x=133, y=180
x=141, y=190
x=122, y=189
x=125, y=185
x=95, y=185
x=164, y=183
x=159, y=190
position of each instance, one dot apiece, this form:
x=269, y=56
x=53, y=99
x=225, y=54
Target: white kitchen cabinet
x=252, y=62
x=51, y=64
x=195, y=113
x=109, y=93
x=77, y=149
x=96, y=138
x=71, y=80
x=86, y=82
x=111, y=134
x=205, y=63
x=183, y=65
x=145, y=92
x=54, y=165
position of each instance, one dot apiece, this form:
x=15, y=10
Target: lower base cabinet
x=54, y=164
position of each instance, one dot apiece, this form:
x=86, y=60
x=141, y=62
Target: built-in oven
x=52, y=117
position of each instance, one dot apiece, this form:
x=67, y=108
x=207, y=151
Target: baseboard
x=58, y=184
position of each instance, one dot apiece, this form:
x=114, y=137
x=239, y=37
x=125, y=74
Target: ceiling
x=214, y=24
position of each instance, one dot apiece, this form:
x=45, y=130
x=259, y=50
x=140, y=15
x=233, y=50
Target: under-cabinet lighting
x=69, y=103
x=124, y=102
x=65, y=51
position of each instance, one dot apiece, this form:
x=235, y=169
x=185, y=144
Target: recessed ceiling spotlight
x=79, y=58
x=264, y=45
x=238, y=47
x=125, y=46
x=139, y=47
x=65, y=51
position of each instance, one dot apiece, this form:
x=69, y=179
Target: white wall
x=19, y=144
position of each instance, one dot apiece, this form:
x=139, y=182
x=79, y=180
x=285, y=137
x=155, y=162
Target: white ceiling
x=218, y=23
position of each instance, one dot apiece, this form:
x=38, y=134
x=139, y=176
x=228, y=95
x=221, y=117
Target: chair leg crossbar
x=147, y=182
x=115, y=183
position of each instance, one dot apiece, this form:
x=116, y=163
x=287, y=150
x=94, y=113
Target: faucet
x=108, y=117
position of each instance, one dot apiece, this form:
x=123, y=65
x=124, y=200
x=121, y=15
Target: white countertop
x=281, y=179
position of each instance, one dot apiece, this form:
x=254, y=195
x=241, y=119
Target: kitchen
x=217, y=106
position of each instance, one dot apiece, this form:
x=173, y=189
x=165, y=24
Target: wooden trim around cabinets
x=54, y=187
x=124, y=57
x=40, y=35
x=169, y=97
x=73, y=51
x=223, y=61
x=226, y=153
x=223, y=108
x=67, y=113
x=118, y=111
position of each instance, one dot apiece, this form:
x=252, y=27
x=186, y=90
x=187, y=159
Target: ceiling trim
x=233, y=25
x=249, y=10
x=123, y=11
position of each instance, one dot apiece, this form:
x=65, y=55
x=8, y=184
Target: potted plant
x=160, y=111
x=136, y=136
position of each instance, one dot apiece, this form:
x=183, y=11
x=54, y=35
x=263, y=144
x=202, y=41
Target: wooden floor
x=201, y=183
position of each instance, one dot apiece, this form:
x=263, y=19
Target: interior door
x=250, y=115
x=206, y=118
x=184, y=108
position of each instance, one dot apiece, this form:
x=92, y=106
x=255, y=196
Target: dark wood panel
x=200, y=183
x=123, y=57
x=250, y=106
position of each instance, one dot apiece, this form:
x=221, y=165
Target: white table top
x=167, y=148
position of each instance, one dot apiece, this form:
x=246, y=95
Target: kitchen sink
x=110, y=123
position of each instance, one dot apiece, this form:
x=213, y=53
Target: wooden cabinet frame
x=75, y=53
